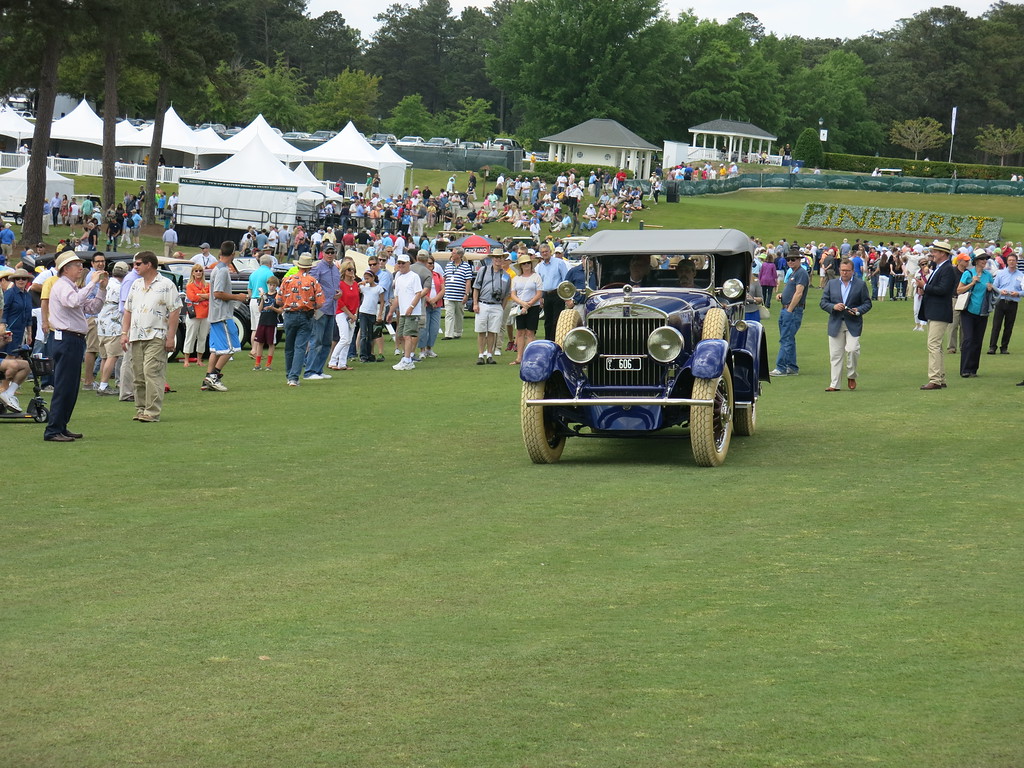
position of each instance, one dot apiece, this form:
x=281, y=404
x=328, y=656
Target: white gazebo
x=602, y=142
x=732, y=138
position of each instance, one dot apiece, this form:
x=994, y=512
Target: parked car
x=323, y=135
x=232, y=131
x=506, y=144
x=380, y=139
x=470, y=145
x=411, y=141
x=654, y=351
x=439, y=141
x=218, y=127
x=296, y=135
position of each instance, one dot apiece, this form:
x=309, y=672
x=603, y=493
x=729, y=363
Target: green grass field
x=368, y=571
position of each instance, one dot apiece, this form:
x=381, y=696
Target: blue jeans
x=320, y=340
x=366, y=321
x=433, y=325
x=789, y=324
x=297, y=327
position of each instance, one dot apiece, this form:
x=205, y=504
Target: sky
x=831, y=18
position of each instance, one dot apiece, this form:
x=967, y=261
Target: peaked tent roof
x=14, y=125
x=601, y=132
x=388, y=156
x=254, y=164
x=126, y=134
x=348, y=148
x=210, y=142
x=177, y=135
x=261, y=128
x=21, y=172
x=734, y=128
x=80, y=124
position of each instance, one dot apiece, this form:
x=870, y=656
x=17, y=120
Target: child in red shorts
x=266, y=329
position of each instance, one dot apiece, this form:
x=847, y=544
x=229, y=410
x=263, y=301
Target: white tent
x=251, y=187
x=80, y=124
x=280, y=148
x=392, y=170
x=14, y=125
x=178, y=136
x=14, y=185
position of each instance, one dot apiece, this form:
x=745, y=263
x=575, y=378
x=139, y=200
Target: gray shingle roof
x=733, y=127
x=601, y=132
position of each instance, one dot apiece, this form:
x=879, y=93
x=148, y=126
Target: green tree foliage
x=473, y=121
x=410, y=117
x=563, y=61
x=808, y=148
x=918, y=135
x=1001, y=142
x=274, y=93
x=351, y=95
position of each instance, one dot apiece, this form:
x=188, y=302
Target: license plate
x=623, y=363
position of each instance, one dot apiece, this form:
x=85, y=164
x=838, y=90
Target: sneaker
x=480, y=360
x=429, y=353
x=417, y=359
x=403, y=365
x=777, y=372
x=380, y=358
x=107, y=392
x=91, y=387
x=490, y=360
x=268, y=368
x=508, y=347
x=398, y=351
x=793, y=373
x=293, y=383
x=47, y=389
x=10, y=400
x=497, y=353
x=317, y=376
x=256, y=368
x=215, y=384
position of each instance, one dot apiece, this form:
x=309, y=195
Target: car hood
x=665, y=300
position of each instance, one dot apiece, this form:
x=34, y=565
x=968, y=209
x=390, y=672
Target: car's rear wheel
x=711, y=426
x=744, y=423
x=568, y=320
x=716, y=324
x=539, y=437
x=179, y=344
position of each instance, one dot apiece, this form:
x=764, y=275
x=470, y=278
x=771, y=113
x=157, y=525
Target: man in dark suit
x=937, y=291
x=846, y=299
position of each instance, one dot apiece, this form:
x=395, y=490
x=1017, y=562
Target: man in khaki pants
x=937, y=309
x=150, y=326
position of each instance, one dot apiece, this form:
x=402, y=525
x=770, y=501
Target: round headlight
x=565, y=290
x=665, y=344
x=580, y=345
x=732, y=288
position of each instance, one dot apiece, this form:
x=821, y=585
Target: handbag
x=962, y=301
x=763, y=311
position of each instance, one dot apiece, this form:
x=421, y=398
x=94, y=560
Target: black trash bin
x=672, y=191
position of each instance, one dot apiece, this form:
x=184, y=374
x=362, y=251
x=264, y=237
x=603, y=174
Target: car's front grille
x=625, y=337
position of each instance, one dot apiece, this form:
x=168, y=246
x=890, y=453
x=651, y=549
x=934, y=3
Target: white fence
x=82, y=167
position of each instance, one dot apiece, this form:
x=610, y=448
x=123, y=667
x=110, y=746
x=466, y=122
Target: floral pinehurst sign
x=899, y=221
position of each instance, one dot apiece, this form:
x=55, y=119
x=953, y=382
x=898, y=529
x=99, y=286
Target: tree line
x=528, y=68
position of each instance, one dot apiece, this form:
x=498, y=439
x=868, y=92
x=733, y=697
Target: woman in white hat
x=527, y=292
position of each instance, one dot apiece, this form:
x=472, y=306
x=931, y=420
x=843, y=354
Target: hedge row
x=929, y=169
x=549, y=171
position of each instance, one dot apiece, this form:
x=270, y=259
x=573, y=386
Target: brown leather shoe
x=851, y=383
x=931, y=386
x=832, y=389
x=75, y=435
x=59, y=439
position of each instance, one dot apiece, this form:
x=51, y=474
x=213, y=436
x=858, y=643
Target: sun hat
x=941, y=245
x=18, y=273
x=980, y=255
x=305, y=261
x=66, y=258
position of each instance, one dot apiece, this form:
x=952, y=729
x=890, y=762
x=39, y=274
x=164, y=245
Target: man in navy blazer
x=937, y=291
x=846, y=299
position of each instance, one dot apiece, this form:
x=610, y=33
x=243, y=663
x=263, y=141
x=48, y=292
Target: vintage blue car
x=656, y=340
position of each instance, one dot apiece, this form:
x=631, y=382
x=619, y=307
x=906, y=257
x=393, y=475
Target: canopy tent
x=392, y=169
x=250, y=188
x=259, y=127
x=349, y=154
x=14, y=125
x=313, y=193
x=80, y=124
x=178, y=140
x=14, y=186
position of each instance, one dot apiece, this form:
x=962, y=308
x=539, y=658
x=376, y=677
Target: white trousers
x=843, y=345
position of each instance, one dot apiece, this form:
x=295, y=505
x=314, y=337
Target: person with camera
x=406, y=311
x=491, y=289
x=847, y=300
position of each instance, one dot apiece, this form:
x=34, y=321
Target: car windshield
x=696, y=270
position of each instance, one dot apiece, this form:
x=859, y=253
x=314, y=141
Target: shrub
x=930, y=169
x=808, y=148
x=549, y=171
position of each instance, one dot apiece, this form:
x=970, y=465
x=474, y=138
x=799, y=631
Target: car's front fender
x=709, y=358
x=539, y=360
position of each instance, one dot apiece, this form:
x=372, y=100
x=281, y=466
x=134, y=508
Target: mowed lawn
x=368, y=571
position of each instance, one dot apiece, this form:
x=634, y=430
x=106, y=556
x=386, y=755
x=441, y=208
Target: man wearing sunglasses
x=791, y=314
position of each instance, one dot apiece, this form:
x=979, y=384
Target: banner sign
x=899, y=221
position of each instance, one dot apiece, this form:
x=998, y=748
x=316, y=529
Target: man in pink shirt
x=68, y=306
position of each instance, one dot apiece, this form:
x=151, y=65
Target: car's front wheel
x=539, y=437
x=179, y=344
x=711, y=426
x=567, y=320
